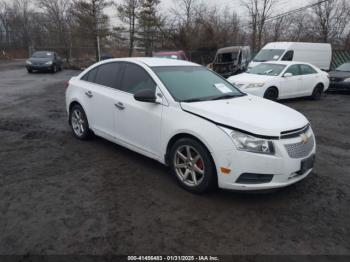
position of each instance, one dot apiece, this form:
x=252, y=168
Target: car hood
x=246, y=78
x=339, y=74
x=249, y=113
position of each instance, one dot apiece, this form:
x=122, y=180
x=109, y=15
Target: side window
x=136, y=78
x=90, y=76
x=288, y=56
x=107, y=74
x=294, y=70
x=307, y=70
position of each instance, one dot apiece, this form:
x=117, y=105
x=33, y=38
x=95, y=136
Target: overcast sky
x=282, y=6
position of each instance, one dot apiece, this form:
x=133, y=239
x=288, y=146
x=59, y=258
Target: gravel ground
x=59, y=195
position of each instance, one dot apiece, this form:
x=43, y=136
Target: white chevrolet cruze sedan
x=281, y=80
x=187, y=117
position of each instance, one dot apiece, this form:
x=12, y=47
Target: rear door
x=138, y=123
x=290, y=85
x=100, y=92
x=310, y=79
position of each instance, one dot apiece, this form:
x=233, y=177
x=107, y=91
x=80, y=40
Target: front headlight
x=254, y=85
x=28, y=62
x=48, y=63
x=248, y=143
x=346, y=80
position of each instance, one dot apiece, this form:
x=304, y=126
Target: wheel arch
x=179, y=136
x=73, y=103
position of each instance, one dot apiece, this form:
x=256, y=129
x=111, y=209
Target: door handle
x=89, y=94
x=120, y=105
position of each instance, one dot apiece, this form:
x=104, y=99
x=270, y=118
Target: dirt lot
x=62, y=196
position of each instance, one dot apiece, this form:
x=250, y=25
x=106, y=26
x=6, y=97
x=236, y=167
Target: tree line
x=195, y=26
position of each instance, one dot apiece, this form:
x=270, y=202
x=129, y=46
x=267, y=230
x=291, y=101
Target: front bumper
x=42, y=67
x=339, y=86
x=286, y=170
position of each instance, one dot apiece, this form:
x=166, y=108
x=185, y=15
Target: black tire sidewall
x=268, y=91
x=210, y=176
x=86, y=133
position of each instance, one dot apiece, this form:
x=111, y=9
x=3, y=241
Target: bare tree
x=57, y=21
x=128, y=13
x=91, y=20
x=259, y=12
x=331, y=18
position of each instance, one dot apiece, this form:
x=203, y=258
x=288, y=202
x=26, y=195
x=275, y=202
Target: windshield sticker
x=275, y=57
x=223, y=88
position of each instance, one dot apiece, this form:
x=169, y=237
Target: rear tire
x=192, y=166
x=271, y=94
x=79, y=123
x=317, y=93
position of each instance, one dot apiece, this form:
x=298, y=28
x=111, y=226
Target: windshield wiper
x=192, y=100
x=227, y=96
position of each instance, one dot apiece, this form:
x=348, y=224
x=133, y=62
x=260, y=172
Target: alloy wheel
x=78, y=122
x=189, y=165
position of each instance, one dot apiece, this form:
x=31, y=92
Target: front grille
x=301, y=149
x=248, y=178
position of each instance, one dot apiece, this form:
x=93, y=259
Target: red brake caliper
x=200, y=164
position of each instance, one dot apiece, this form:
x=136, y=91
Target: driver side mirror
x=288, y=75
x=146, y=95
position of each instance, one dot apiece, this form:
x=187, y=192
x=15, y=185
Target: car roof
x=285, y=63
x=154, y=62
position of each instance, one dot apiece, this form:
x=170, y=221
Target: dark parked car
x=340, y=78
x=44, y=61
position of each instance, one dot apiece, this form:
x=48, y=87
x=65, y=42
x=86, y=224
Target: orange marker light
x=225, y=170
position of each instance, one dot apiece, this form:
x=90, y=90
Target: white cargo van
x=318, y=54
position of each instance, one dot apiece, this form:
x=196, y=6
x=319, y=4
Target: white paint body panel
x=148, y=128
x=288, y=87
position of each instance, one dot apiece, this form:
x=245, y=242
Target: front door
x=290, y=85
x=138, y=123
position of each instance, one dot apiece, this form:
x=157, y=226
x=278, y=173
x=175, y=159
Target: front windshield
x=195, y=83
x=267, y=69
x=268, y=55
x=168, y=56
x=42, y=55
x=227, y=57
x=344, y=67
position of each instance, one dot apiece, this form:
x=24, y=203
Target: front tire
x=54, y=69
x=192, y=166
x=79, y=123
x=271, y=94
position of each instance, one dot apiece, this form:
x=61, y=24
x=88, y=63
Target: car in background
x=187, y=117
x=177, y=55
x=232, y=60
x=317, y=54
x=340, y=78
x=44, y=61
x=281, y=80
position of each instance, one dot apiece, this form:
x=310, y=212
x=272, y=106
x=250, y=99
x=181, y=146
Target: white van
x=318, y=54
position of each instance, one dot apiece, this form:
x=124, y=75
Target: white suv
x=185, y=116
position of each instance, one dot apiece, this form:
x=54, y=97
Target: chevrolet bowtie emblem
x=304, y=139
